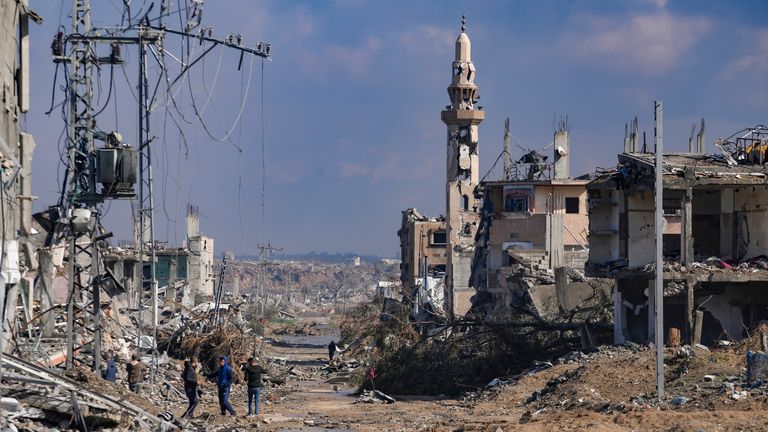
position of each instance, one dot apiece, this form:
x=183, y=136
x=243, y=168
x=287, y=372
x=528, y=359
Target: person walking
x=189, y=375
x=137, y=370
x=253, y=373
x=110, y=372
x=331, y=350
x=223, y=382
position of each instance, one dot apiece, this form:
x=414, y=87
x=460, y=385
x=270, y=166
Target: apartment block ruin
x=534, y=233
x=18, y=260
x=184, y=274
x=423, y=257
x=715, y=242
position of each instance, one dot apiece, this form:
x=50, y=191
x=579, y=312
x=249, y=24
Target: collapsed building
x=533, y=237
x=715, y=243
x=423, y=258
x=184, y=274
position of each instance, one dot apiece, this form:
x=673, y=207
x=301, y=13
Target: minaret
x=463, y=207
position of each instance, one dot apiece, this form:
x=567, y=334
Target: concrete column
x=698, y=321
x=9, y=317
x=562, y=156
x=651, y=316
x=726, y=223
x=690, y=305
x=45, y=290
x=686, y=230
x=618, y=316
x=25, y=179
x=561, y=289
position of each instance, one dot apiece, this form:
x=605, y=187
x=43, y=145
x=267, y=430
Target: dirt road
x=308, y=402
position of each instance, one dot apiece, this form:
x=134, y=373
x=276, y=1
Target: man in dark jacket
x=223, y=381
x=253, y=372
x=331, y=350
x=137, y=370
x=189, y=375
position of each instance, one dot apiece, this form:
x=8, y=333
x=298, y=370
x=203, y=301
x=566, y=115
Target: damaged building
x=533, y=237
x=715, y=244
x=18, y=260
x=505, y=241
x=423, y=256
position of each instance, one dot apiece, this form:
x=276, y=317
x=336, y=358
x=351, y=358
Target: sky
x=351, y=102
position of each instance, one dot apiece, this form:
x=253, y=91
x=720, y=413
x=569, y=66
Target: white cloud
x=755, y=61
x=651, y=43
x=428, y=38
x=340, y=60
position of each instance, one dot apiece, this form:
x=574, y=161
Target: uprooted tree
x=465, y=354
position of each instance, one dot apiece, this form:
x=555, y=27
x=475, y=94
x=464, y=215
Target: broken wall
x=200, y=265
x=604, y=225
x=750, y=207
x=641, y=234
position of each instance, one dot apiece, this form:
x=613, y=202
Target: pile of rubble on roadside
x=45, y=397
x=621, y=379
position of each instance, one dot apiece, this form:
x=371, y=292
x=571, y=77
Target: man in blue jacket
x=223, y=381
x=110, y=372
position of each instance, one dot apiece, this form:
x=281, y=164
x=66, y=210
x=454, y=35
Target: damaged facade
x=533, y=237
x=422, y=244
x=18, y=260
x=715, y=242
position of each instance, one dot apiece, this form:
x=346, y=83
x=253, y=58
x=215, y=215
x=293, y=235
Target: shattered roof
x=681, y=170
x=413, y=215
x=701, y=163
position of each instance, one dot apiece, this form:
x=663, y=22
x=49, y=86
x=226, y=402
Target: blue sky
x=353, y=98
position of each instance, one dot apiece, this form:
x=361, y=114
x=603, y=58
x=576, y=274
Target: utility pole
x=79, y=221
x=658, y=304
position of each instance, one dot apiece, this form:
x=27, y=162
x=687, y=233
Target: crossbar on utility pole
x=658, y=305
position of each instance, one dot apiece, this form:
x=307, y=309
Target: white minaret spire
x=463, y=91
x=463, y=205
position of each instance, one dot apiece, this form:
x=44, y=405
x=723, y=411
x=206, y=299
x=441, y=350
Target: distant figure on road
x=372, y=376
x=189, y=375
x=223, y=381
x=136, y=373
x=110, y=372
x=331, y=350
x=253, y=373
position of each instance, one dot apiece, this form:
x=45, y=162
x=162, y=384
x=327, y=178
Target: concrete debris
x=36, y=383
x=375, y=396
x=757, y=367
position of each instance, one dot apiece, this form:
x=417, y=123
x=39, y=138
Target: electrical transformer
x=116, y=171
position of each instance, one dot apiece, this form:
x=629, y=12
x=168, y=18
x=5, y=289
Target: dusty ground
x=604, y=392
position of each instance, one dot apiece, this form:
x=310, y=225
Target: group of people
x=223, y=375
x=136, y=370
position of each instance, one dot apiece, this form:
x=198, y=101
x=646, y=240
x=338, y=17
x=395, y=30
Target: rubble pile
x=697, y=378
x=711, y=264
